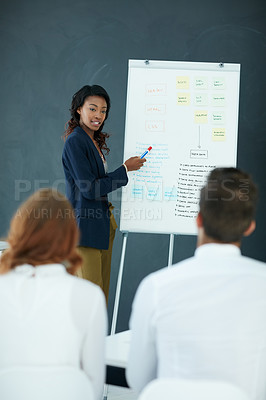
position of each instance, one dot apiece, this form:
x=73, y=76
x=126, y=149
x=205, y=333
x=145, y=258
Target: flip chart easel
x=120, y=276
x=188, y=113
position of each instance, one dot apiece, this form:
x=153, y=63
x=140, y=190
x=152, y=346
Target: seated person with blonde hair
x=49, y=318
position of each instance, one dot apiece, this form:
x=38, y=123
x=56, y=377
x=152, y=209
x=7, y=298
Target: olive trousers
x=96, y=266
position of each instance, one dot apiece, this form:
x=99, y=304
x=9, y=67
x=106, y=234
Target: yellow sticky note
x=218, y=134
x=182, y=82
x=183, y=99
x=201, y=117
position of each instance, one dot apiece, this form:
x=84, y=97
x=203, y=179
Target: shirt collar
x=40, y=270
x=217, y=250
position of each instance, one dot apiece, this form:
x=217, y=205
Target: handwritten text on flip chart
x=155, y=108
x=154, y=126
x=218, y=83
x=201, y=117
x=199, y=154
x=147, y=182
x=183, y=99
x=158, y=89
x=182, y=82
x=218, y=134
x=218, y=117
x=201, y=99
x=218, y=101
x=190, y=180
x=201, y=82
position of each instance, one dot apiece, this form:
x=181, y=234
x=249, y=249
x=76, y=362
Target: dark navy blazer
x=87, y=186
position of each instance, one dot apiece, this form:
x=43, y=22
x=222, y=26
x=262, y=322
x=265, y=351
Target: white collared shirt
x=203, y=318
x=50, y=318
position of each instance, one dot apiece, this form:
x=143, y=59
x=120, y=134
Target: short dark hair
x=228, y=204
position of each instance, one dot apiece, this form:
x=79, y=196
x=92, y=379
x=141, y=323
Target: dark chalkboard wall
x=49, y=49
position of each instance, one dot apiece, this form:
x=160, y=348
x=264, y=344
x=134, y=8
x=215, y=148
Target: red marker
x=146, y=152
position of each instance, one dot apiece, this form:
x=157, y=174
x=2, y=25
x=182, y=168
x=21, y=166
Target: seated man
x=206, y=316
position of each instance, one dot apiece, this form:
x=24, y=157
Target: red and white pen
x=146, y=152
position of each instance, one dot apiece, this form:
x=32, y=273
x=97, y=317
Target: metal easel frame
x=120, y=275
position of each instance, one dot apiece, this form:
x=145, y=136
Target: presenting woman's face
x=93, y=112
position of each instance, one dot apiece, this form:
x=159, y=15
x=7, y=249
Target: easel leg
x=105, y=392
x=119, y=283
x=171, y=249
x=117, y=296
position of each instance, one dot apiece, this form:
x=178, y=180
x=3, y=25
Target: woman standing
x=88, y=181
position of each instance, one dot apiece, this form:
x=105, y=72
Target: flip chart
x=188, y=113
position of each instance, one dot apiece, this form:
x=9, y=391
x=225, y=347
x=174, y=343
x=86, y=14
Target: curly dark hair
x=78, y=100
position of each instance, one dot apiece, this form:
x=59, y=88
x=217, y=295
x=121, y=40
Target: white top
x=3, y=245
x=105, y=166
x=50, y=318
x=203, y=318
x=117, y=349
